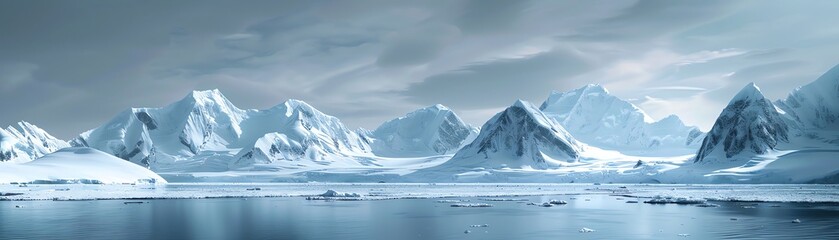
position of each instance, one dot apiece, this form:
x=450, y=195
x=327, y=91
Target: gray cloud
x=417, y=45
x=499, y=83
x=69, y=66
x=15, y=73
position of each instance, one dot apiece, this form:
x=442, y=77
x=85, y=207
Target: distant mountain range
x=582, y=131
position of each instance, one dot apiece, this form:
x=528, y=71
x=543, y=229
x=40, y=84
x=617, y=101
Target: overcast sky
x=68, y=66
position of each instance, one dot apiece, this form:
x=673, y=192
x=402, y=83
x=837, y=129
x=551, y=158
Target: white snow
x=471, y=205
x=584, y=135
x=434, y=130
x=521, y=136
x=675, y=200
x=83, y=165
x=595, y=117
x=333, y=193
x=27, y=142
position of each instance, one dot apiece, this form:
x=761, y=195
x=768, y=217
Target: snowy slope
x=295, y=130
x=594, y=116
x=27, y=142
x=795, y=140
x=815, y=105
x=205, y=132
x=77, y=165
x=433, y=130
x=749, y=125
x=520, y=136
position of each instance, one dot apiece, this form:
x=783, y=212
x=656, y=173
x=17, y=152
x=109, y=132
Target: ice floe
x=471, y=205
x=675, y=200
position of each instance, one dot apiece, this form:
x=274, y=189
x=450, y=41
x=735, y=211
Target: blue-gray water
x=296, y=218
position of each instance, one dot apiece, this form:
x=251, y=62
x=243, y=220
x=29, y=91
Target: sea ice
x=676, y=200
x=471, y=205
x=451, y=201
x=333, y=193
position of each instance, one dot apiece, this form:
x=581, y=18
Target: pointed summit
x=749, y=125
x=207, y=98
x=438, y=107
x=519, y=136
x=749, y=92
x=291, y=106
x=595, y=88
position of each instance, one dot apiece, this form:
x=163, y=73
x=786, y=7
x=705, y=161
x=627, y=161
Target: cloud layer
x=70, y=66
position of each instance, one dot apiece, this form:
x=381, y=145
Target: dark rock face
x=7, y=155
x=147, y=120
x=452, y=134
x=521, y=135
x=693, y=136
x=517, y=131
x=748, y=123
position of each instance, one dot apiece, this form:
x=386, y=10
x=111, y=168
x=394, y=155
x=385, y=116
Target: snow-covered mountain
x=205, y=132
x=815, y=105
x=520, y=136
x=27, y=142
x=433, y=130
x=794, y=140
x=77, y=165
x=749, y=125
x=595, y=117
x=295, y=130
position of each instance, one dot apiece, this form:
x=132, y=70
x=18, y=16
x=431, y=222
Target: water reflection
x=295, y=218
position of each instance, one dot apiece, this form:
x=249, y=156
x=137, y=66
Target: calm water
x=296, y=218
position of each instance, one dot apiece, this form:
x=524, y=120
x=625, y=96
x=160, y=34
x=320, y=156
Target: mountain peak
x=431, y=130
x=438, y=107
x=292, y=105
x=594, y=87
x=671, y=118
x=26, y=142
x=206, y=94
x=749, y=92
x=519, y=136
x=521, y=103
x=749, y=124
x=532, y=111
x=831, y=75
x=207, y=97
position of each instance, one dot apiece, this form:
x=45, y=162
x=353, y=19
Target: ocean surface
x=610, y=217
